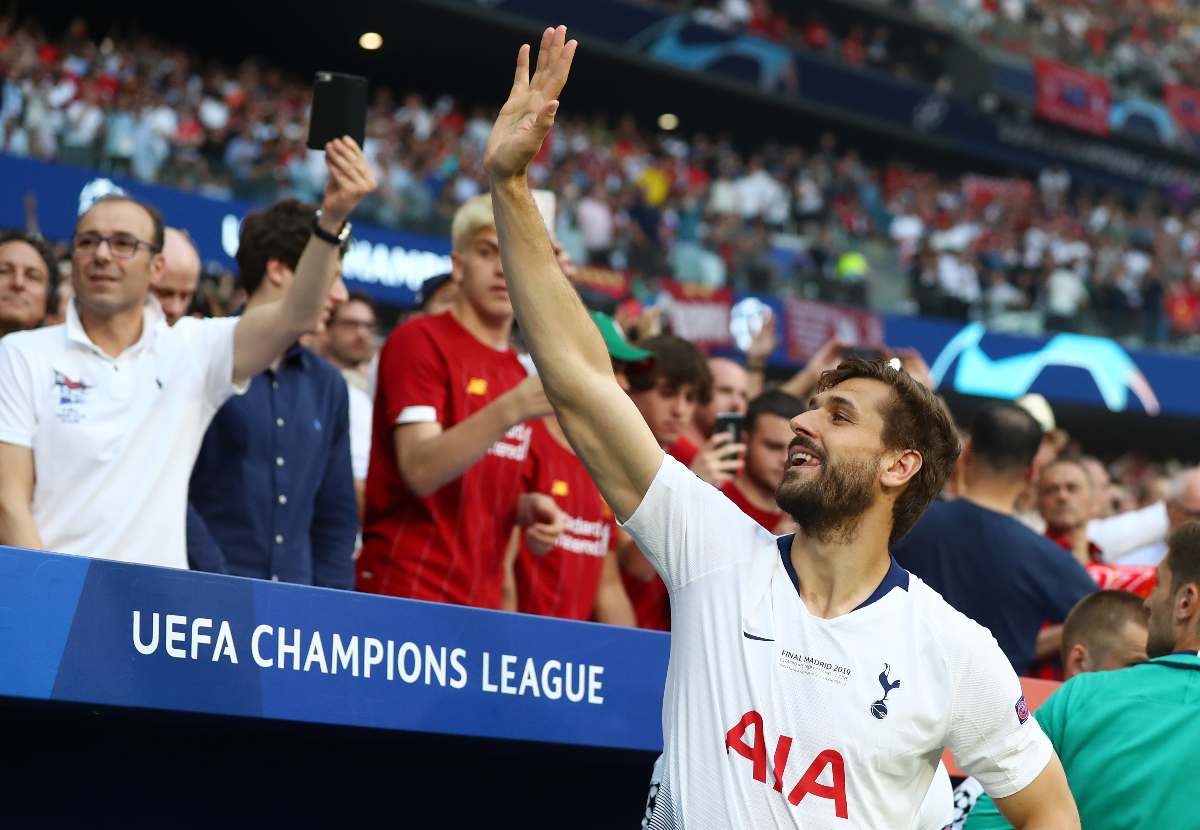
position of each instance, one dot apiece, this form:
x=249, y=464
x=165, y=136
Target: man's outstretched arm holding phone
x=602, y=423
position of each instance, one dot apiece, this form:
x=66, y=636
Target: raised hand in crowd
x=263, y=333
x=350, y=181
x=827, y=357
x=762, y=345
x=542, y=519
x=719, y=459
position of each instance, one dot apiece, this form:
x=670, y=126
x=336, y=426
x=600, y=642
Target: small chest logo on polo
x=559, y=488
x=477, y=386
x=879, y=707
x=71, y=395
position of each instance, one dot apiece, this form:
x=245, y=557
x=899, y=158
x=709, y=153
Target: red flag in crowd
x=1184, y=104
x=698, y=314
x=1071, y=96
x=810, y=324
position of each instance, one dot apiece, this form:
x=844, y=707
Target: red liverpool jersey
x=769, y=519
x=562, y=582
x=447, y=546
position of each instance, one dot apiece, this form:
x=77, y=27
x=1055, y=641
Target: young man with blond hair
x=447, y=477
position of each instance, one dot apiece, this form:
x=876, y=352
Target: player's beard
x=828, y=507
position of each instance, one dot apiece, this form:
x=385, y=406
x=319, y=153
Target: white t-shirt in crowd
x=1065, y=293
x=114, y=439
x=361, y=413
x=774, y=717
x=1135, y=537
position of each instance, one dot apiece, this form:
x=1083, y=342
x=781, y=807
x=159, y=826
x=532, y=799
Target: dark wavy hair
x=278, y=232
x=678, y=363
x=913, y=419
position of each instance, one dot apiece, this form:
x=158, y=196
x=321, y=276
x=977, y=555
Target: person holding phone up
x=91, y=404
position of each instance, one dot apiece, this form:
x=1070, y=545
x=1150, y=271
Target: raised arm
x=264, y=332
x=604, y=427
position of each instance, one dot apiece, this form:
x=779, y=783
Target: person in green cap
x=623, y=353
x=1128, y=738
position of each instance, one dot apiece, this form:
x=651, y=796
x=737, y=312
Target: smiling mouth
x=800, y=457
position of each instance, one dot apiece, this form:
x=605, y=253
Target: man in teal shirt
x=1128, y=738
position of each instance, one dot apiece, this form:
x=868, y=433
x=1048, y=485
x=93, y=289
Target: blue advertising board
x=386, y=264
x=1096, y=371
x=98, y=632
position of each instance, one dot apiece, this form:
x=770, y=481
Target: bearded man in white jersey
x=813, y=682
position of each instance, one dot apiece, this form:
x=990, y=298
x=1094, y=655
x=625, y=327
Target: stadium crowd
x=1029, y=254
x=1137, y=46
x=432, y=466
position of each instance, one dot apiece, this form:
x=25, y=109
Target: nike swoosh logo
x=749, y=636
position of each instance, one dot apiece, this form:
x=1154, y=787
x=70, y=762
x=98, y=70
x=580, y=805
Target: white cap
x=1037, y=406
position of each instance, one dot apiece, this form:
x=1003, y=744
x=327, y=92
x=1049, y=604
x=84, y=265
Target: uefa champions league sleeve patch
x=1022, y=709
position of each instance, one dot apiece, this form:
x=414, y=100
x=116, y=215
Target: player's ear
x=1078, y=661
x=901, y=467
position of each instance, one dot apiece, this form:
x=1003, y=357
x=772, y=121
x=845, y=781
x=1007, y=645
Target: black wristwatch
x=338, y=238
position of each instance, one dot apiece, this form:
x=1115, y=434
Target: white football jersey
x=773, y=717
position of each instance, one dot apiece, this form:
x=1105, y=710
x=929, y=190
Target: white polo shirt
x=114, y=439
x=776, y=718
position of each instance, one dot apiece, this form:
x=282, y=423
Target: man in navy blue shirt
x=272, y=493
x=982, y=560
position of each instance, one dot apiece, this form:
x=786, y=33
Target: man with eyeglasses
x=110, y=407
x=348, y=342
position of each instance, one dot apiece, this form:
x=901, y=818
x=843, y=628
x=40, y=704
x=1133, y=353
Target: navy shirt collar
x=896, y=576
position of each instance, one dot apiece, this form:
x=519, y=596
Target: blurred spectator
x=669, y=392
x=1065, y=500
x=578, y=577
x=271, y=493
x=714, y=462
x=1135, y=725
x=1182, y=506
x=27, y=271
x=176, y=288
x=767, y=434
x=348, y=342
x=449, y=444
x=110, y=409
x=438, y=294
x=981, y=559
x=348, y=339
x=1105, y=631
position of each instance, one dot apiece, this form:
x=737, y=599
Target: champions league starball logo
x=879, y=707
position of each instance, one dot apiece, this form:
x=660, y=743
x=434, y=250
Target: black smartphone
x=730, y=422
x=339, y=107
x=864, y=352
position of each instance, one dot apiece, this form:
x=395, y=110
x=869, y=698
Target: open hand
x=528, y=114
x=350, y=180
x=764, y=341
